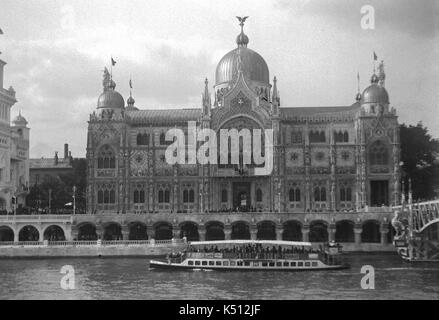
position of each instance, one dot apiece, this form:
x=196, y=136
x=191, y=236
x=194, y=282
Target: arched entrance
x=54, y=233
x=344, y=231
x=292, y=231
x=28, y=233
x=190, y=231
x=240, y=231
x=113, y=231
x=138, y=231
x=163, y=231
x=214, y=231
x=6, y=234
x=266, y=230
x=370, y=232
x=87, y=232
x=318, y=231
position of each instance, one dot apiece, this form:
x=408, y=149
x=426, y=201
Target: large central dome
x=250, y=62
x=253, y=66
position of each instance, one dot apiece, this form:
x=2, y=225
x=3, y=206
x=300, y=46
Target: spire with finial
x=381, y=74
x=242, y=39
x=275, y=98
x=358, y=96
x=374, y=78
x=131, y=100
x=206, y=98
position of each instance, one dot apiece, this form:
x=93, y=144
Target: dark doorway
x=240, y=231
x=241, y=195
x=379, y=193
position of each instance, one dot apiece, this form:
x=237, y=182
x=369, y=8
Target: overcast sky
x=56, y=51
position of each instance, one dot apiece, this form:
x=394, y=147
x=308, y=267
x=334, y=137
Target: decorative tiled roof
x=49, y=163
x=163, y=115
x=340, y=113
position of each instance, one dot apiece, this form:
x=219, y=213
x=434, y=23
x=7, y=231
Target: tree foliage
x=61, y=189
x=419, y=154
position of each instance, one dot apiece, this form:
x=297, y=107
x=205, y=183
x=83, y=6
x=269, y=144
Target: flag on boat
x=68, y=204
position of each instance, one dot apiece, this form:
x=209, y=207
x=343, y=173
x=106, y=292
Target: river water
x=130, y=278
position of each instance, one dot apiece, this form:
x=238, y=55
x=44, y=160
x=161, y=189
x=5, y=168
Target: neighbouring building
x=42, y=169
x=14, y=151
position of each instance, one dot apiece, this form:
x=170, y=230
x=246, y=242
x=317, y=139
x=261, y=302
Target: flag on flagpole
x=113, y=63
x=375, y=56
x=1, y=31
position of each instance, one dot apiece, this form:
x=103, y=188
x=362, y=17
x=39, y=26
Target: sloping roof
x=163, y=115
x=322, y=113
x=49, y=163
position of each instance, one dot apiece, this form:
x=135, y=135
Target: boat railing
x=251, y=255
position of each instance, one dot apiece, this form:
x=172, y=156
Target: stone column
x=384, y=230
x=41, y=234
x=125, y=232
x=175, y=231
x=279, y=232
x=305, y=232
x=150, y=231
x=100, y=232
x=74, y=234
x=202, y=232
x=16, y=231
x=228, y=232
x=253, y=232
x=357, y=231
x=331, y=232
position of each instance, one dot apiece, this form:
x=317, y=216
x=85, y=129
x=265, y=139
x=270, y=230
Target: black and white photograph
x=214, y=152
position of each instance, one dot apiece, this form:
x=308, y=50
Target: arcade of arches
x=344, y=231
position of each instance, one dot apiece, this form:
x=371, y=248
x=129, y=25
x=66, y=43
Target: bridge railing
x=36, y=217
x=422, y=213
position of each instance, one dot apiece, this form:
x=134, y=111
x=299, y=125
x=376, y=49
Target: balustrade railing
x=93, y=243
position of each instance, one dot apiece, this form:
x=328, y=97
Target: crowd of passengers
x=256, y=251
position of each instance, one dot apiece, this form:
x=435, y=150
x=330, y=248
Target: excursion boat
x=253, y=255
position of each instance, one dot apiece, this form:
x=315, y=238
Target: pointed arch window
x=378, y=154
x=320, y=193
x=106, y=194
x=294, y=194
x=142, y=139
x=224, y=195
x=164, y=196
x=259, y=195
x=106, y=158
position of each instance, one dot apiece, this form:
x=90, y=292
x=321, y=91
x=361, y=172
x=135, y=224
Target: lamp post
x=74, y=200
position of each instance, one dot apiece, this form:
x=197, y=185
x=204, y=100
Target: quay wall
x=120, y=250
x=17, y=251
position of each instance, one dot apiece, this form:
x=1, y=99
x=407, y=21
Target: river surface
x=130, y=278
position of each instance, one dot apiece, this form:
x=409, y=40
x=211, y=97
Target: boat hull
x=163, y=265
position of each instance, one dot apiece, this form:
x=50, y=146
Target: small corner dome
x=375, y=94
x=19, y=120
x=111, y=99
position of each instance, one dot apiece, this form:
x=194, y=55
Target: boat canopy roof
x=266, y=242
